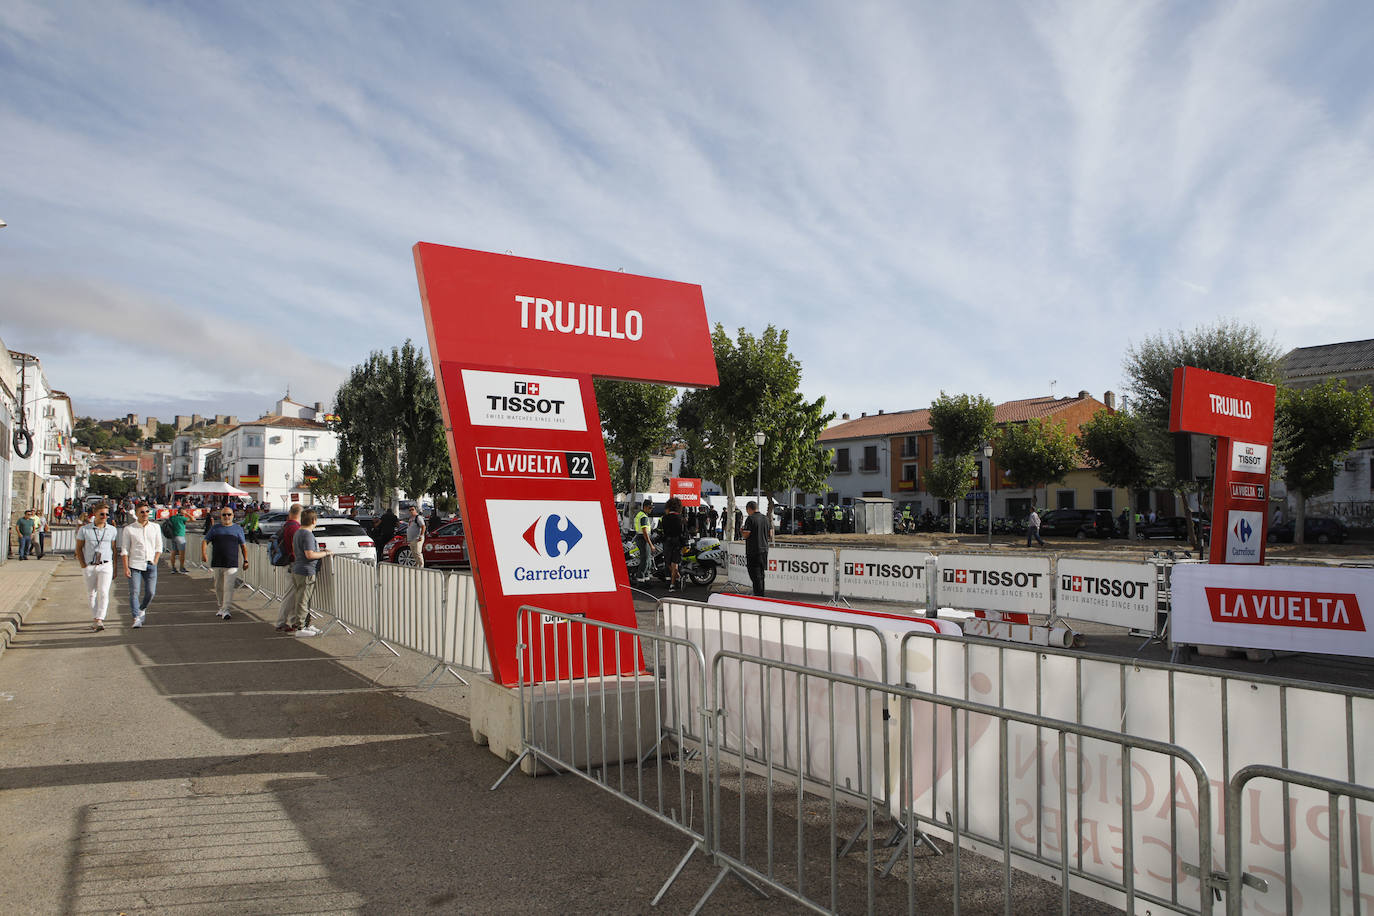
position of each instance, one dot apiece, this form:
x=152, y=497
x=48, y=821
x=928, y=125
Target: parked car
x=1078, y=523
x=345, y=538
x=269, y=523
x=1174, y=527
x=444, y=546
x=1315, y=530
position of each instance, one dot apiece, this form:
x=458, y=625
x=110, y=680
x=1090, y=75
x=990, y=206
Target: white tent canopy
x=212, y=488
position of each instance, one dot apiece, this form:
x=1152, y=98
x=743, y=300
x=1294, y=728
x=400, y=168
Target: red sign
x=347, y=502
x=517, y=313
x=515, y=344
x=1311, y=610
x=687, y=489
x=1222, y=405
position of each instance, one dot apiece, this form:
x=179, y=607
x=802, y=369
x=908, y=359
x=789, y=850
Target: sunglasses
x=101, y=514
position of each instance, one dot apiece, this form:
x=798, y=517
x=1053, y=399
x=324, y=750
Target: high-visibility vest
x=641, y=521
x=839, y=513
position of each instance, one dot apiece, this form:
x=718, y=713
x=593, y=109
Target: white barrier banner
x=800, y=570
x=884, y=575
x=995, y=583
x=1118, y=594
x=737, y=570
x=1288, y=608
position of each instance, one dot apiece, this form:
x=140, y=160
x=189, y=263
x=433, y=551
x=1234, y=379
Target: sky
x=208, y=204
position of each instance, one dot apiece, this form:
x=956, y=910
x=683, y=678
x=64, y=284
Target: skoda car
x=444, y=546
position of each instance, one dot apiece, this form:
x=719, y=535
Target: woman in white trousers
x=95, y=552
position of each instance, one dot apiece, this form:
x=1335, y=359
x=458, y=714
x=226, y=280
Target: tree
x=1111, y=444
x=758, y=377
x=792, y=456
x=390, y=425
x=961, y=424
x=166, y=432
x=951, y=477
x=1228, y=347
x=110, y=485
x=1036, y=453
x=1314, y=428
x=328, y=483
x=635, y=420
x=91, y=434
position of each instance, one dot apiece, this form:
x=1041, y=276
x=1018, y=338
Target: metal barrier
x=779, y=830
x=62, y=540
x=1300, y=863
x=1229, y=721
x=581, y=724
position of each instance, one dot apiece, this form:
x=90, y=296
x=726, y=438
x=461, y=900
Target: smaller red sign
x=1247, y=490
x=347, y=502
x=687, y=489
x=1271, y=607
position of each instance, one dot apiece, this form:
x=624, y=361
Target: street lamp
x=759, y=439
x=987, y=483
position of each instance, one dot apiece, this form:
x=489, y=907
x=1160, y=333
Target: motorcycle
x=701, y=559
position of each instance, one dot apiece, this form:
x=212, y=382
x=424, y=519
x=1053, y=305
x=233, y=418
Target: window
x=308, y=443
x=253, y=470
x=873, y=494
x=252, y=441
x=1064, y=499
x=910, y=473
x=870, y=458
x=842, y=461
x=909, y=448
x=1102, y=499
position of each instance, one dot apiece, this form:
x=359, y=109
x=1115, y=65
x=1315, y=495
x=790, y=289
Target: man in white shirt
x=95, y=553
x=140, y=546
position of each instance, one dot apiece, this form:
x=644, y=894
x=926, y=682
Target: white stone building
x=49, y=419
x=268, y=456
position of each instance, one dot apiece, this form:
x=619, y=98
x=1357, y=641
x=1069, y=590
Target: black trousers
x=756, y=563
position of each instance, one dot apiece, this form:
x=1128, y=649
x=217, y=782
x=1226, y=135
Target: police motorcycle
x=701, y=558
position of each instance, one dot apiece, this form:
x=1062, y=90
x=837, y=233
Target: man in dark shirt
x=287, y=536
x=384, y=531
x=229, y=554
x=756, y=537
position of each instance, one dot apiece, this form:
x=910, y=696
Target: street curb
x=11, y=619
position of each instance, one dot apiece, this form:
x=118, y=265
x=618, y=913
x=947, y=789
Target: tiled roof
x=905, y=422
x=1328, y=359
x=279, y=422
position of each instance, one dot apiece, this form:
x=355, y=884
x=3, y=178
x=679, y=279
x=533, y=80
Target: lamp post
x=759, y=439
x=987, y=493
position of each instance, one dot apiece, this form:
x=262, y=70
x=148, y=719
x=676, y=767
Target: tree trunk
x=1130, y=514
x=953, y=516
x=631, y=504
x=728, y=529
x=1300, y=518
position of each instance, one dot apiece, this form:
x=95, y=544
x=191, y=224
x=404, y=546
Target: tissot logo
x=559, y=536
x=997, y=577
x=537, y=402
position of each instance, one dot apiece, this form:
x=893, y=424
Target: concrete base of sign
x=569, y=717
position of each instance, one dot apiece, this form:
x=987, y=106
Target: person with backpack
x=282, y=553
x=174, y=530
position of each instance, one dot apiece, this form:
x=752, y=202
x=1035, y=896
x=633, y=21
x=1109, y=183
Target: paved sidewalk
x=203, y=766
x=21, y=587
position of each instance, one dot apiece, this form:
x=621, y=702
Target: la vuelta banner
x=515, y=344
x=1292, y=608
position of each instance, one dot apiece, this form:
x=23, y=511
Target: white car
x=346, y=538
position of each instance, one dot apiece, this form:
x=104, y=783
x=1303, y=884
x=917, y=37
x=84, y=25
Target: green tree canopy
x=1111, y=444
x=1036, y=453
x=1314, y=428
x=961, y=423
x=792, y=456
x=758, y=378
x=328, y=483
x=635, y=420
x=1228, y=347
x=390, y=426
x=110, y=485
x=166, y=432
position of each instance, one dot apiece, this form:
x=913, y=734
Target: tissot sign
x=1240, y=413
x=515, y=344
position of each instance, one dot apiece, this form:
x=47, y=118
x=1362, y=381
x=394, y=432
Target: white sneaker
x=224, y=614
x=138, y=621
x=308, y=631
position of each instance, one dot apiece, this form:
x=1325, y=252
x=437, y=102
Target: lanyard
x=99, y=541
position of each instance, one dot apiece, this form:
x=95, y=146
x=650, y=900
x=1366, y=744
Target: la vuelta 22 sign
x=515, y=344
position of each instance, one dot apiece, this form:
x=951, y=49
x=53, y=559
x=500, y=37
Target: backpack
x=167, y=531
x=277, y=554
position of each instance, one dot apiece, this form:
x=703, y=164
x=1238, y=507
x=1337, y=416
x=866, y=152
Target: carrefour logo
x=560, y=536
x=1242, y=530
x=550, y=546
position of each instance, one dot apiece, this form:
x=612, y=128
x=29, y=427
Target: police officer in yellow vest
x=818, y=526
x=646, y=545
x=838, y=514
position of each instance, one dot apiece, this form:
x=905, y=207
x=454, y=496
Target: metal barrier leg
x=673, y=877
x=336, y=622
x=510, y=769
x=437, y=673
x=725, y=871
